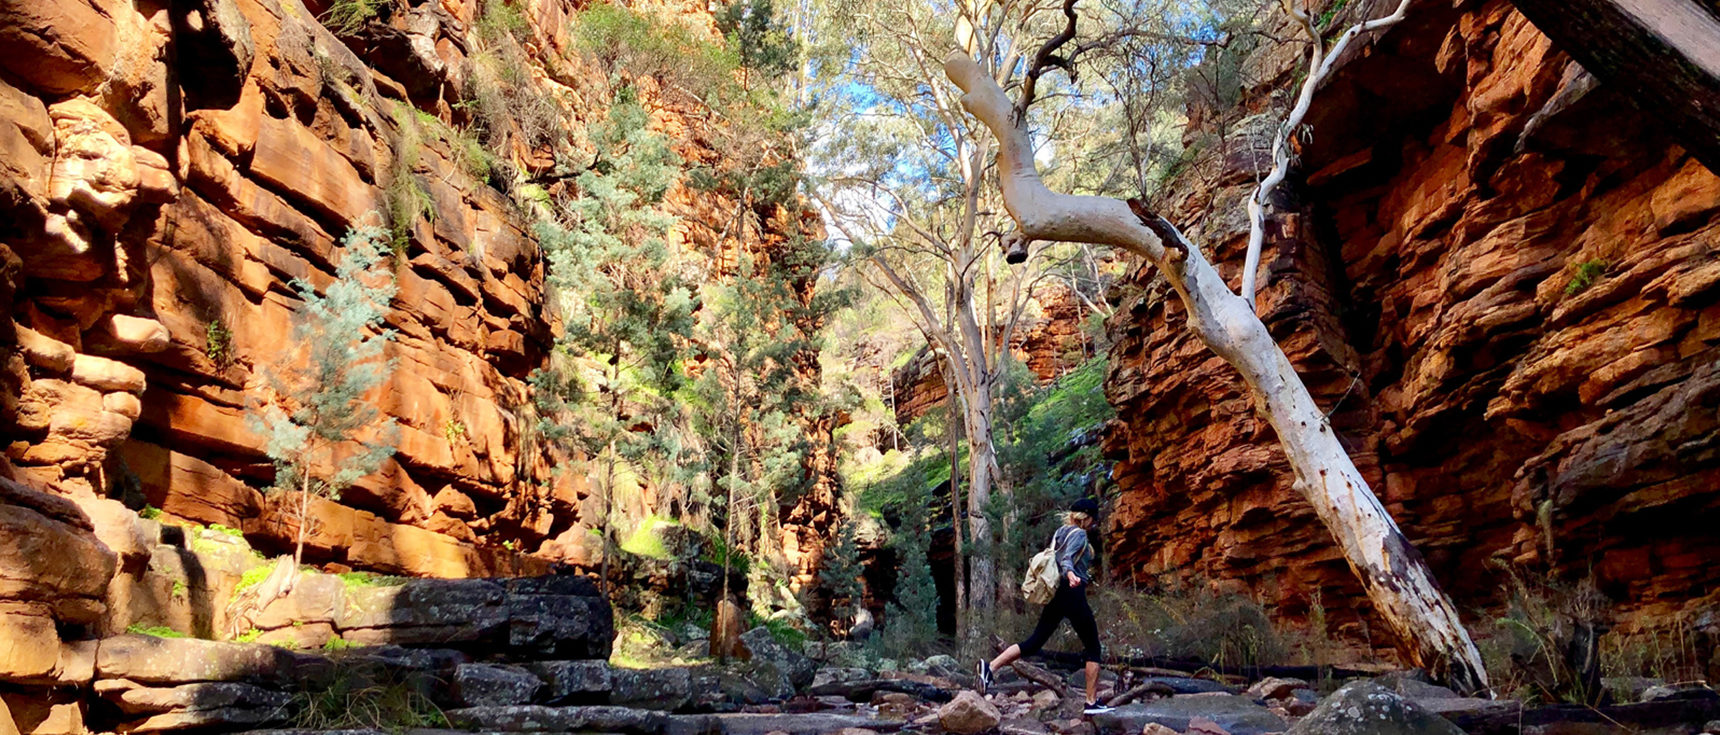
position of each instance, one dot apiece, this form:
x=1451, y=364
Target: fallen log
x=862, y=691
x=1188, y=668
x=1041, y=677
x=1152, y=687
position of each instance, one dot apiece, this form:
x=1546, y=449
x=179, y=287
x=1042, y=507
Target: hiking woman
x=1074, y=563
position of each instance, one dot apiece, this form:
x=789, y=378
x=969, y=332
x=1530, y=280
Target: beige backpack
x=1041, y=582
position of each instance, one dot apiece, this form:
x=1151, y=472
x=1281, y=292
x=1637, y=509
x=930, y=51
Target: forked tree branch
x=1320, y=65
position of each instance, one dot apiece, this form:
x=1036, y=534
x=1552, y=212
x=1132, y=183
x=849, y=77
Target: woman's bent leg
x=1049, y=618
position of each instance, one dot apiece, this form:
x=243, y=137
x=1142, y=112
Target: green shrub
x=1584, y=275
x=360, y=697
x=149, y=513
x=629, y=42
x=252, y=577
x=501, y=19
x=1193, y=623
x=234, y=532
x=218, y=343
x=1545, y=646
x=346, y=17
x=249, y=636
x=405, y=199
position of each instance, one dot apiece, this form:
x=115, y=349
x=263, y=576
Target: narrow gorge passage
x=581, y=366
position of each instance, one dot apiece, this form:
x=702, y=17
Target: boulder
x=424, y=611
x=49, y=561
x=1682, y=690
x=1369, y=708
x=29, y=644
x=532, y=718
x=726, y=632
x=666, y=689
x=492, y=685
x=59, y=46
x=968, y=713
x=764, y=647
x=1237, y=714
x=574, y=682
x=751, y=723
x=560, y=625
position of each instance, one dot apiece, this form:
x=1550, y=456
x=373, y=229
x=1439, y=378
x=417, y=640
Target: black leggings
x=1070, y=603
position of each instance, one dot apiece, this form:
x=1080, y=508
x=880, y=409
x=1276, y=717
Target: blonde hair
x=1075, y=518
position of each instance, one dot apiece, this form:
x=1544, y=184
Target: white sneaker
x=1094, y=708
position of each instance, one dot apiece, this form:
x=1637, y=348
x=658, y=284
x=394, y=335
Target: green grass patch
x=159, y=631
x=234, y=532
x=252, y=577
x=371, y=579
x=647, y=539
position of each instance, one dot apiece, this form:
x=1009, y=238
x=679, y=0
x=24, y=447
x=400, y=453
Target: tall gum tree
x=911, y=193
x=1392, y=572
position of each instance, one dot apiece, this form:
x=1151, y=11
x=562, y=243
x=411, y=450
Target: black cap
x=1086, y=505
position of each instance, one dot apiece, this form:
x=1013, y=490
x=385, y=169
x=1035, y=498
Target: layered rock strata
x=171, y=170
x=1502, y=283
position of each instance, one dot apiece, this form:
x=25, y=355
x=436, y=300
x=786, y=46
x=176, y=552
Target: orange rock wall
x=168, y=170
x=1425, y=279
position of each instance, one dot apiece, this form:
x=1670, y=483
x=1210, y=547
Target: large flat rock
x=1240, y=715
x=813, y=723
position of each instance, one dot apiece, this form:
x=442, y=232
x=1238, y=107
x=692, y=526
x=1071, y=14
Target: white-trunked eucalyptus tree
x=906, y=183
x=1393, y=573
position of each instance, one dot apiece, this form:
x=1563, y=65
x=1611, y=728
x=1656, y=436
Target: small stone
x=968, y=713
x=1274, y=687
x=1204, y=726
x=1154, y=728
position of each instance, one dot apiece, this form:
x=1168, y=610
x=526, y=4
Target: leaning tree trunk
x=1392, y=572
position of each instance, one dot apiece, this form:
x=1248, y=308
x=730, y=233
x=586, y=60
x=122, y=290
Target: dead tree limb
x=1320, y=65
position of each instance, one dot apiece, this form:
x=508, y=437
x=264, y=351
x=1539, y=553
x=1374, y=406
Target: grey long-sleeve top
x=1073, y=553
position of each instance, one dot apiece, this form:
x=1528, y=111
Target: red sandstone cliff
x=1505, y=287
x=167, y=169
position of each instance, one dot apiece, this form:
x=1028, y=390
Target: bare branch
x=1320, y=65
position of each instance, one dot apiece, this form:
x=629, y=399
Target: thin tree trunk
x=1393, y=573
x=959, y=563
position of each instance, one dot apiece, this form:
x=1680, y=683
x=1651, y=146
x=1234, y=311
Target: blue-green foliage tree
x=913, y=622
x=756, y=330
x=321, y=433
x=626, y=310
x=841, y=572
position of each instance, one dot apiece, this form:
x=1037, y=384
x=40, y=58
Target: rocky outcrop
x=1501, y=283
